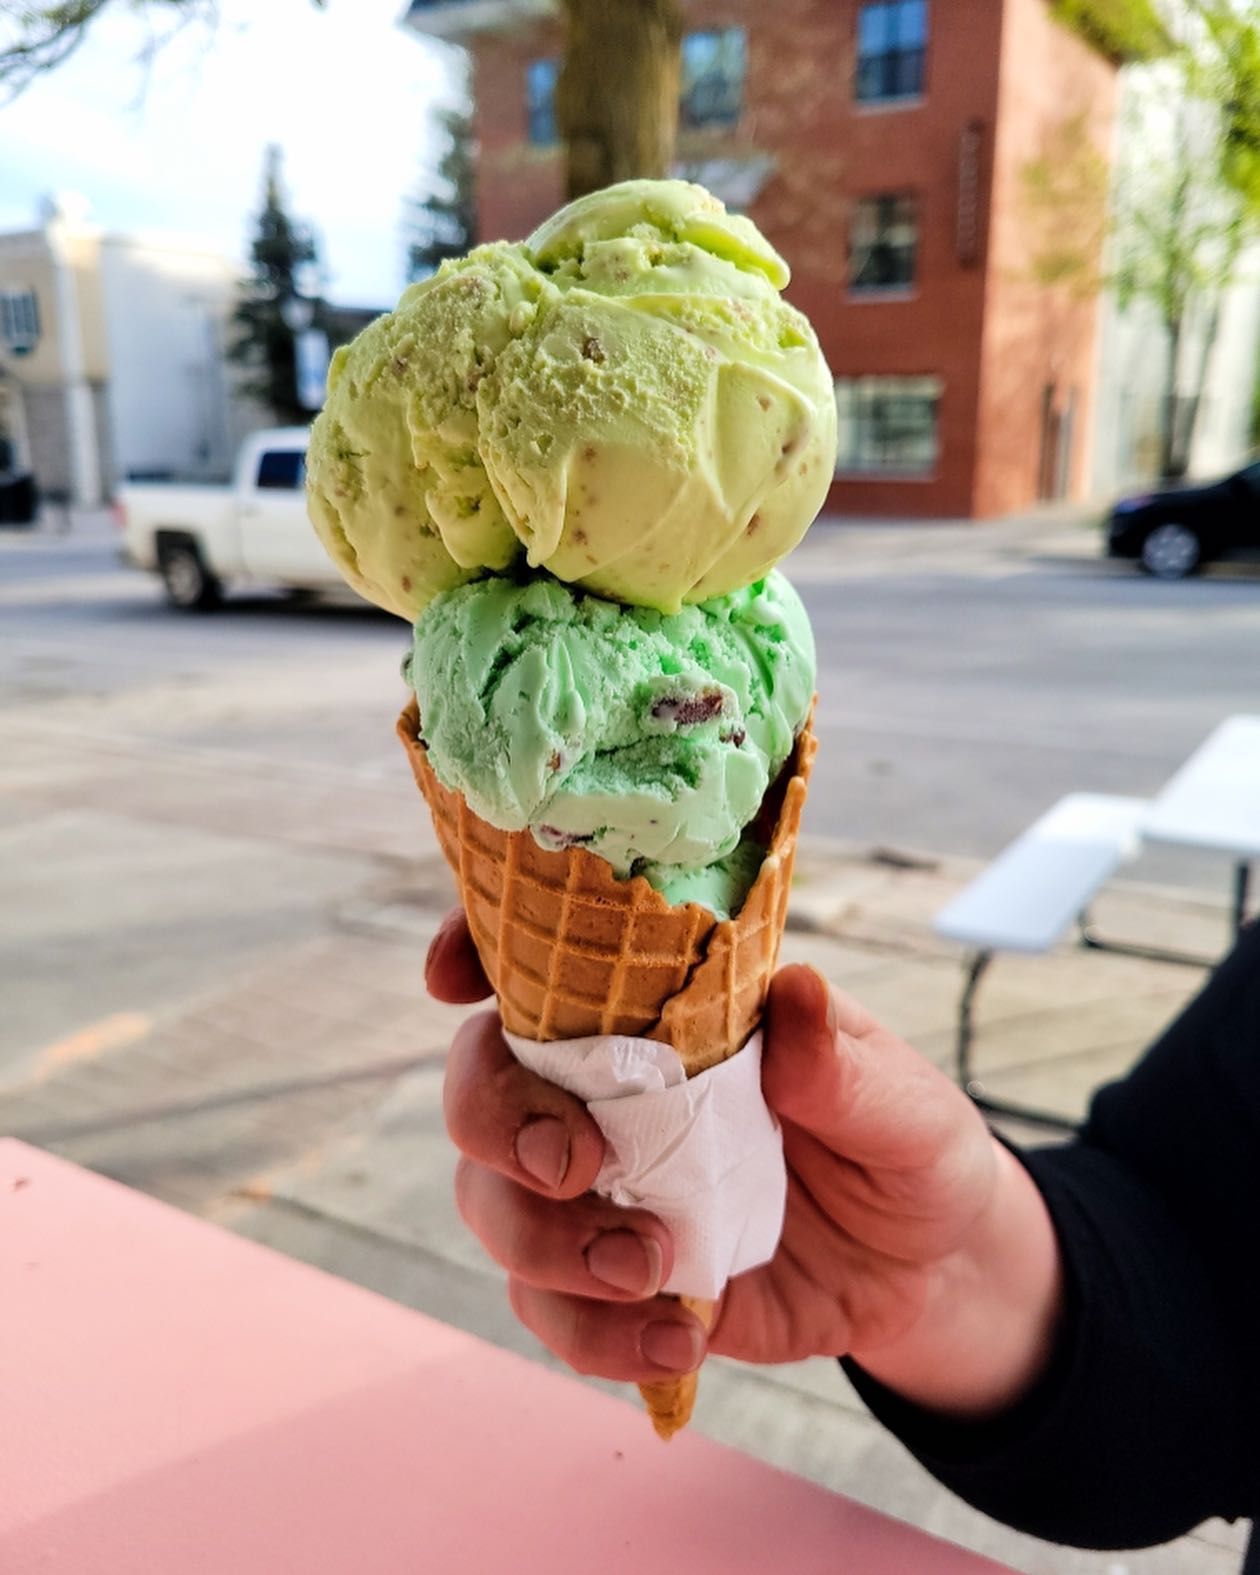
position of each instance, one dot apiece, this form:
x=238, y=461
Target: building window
x=714, y=68
x=883, y=243
x=891, y=46
x=888, y=425
x=281, y=470
x=540, y=99
x=19, y=320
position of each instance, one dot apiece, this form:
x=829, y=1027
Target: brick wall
x=833, y=151
x=995, y=69
x=1037, y=340
x=517, y=184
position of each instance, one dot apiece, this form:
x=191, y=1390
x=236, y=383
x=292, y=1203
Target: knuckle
x=532, y=1242
x=520, y=1300
x=457, y=1110
x=584, y=1338
x=462, y=1107
x=465, y=1191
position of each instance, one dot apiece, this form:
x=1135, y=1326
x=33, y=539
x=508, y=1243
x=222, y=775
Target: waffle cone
x=571, y=950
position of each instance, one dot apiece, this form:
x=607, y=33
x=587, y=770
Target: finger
x=508, y=1118
x=452, y=970
x=833, y=1070
x=588, y=1247
x=637, y=1342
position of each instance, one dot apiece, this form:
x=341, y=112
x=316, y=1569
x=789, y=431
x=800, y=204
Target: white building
x=112, y=356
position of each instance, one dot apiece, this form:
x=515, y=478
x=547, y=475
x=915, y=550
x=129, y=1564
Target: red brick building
x=881, y=145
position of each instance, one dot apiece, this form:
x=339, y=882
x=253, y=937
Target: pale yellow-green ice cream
x=626, y=398
x=395, y=486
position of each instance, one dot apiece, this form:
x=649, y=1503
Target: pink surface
x=177, y=1401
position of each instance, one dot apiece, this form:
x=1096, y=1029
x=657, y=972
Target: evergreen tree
x=444, y=221
x=282, y=250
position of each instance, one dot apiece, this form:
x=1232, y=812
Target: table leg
x=977, y=963
x=1242, y=880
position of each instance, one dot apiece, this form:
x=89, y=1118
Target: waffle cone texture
x=570, y=950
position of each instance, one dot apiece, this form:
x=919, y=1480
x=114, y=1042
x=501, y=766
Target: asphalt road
x=968, y=677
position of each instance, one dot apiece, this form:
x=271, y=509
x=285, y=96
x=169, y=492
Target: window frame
x=542, y=75
x=856, y=459
x=897, y=290
x=898, y=53
x=541, y=108
x=685, y=90
x=20, y=324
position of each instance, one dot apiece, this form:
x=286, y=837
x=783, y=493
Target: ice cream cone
x=571, y=950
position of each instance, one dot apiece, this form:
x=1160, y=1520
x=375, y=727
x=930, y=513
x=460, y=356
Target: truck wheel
x=188, y=583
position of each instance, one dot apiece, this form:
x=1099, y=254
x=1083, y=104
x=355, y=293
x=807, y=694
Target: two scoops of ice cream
x=573, y=464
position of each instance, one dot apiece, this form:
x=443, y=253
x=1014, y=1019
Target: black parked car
x=1173, y=533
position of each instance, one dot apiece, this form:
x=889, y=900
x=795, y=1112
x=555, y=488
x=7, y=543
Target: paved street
x=217, y=883
x=968, y=677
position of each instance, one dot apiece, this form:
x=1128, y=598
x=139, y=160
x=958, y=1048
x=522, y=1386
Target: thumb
x=833, y=1070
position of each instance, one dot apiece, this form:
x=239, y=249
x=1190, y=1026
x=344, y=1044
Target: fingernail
x=626, y=1261
x=825, y=987
x=542, y=1150
x=677, y=1346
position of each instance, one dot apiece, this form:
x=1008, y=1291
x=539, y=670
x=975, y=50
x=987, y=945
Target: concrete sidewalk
x=300, y=1105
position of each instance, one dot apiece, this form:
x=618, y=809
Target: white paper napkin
x=704, y=1153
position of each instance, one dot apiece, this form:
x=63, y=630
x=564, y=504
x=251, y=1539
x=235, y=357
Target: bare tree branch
x=39, y=38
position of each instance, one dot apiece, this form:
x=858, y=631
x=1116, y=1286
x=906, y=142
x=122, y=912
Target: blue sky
x=178, y=147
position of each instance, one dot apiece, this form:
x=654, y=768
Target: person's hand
x=912, y=1241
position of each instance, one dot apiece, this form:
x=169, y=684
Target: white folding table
x=1213, y=802
x=1029, y=895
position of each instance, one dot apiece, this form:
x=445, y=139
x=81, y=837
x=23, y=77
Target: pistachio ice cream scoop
x=647, y=738
x=624, y=400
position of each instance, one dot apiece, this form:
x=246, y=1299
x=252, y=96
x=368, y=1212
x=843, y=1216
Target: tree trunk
x=1233, y=248
x=1169, y=437
x=617, y=97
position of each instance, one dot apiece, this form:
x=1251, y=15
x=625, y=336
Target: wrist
x=991, y=1309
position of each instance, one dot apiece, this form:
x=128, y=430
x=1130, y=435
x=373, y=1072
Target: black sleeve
x=1143, y=1424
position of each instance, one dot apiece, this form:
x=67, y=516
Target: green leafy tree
x=1125, y=31
x=1227, y=73
x=1185, y=200
x=443, y=222
x=273, y=303
x=1178, y=232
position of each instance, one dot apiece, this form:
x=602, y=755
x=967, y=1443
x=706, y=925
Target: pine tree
x=444, y=221
x=282, y=249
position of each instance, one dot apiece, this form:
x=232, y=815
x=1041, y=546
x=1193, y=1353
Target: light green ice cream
x=395, y=487
x=647, y=738
x=625, y=397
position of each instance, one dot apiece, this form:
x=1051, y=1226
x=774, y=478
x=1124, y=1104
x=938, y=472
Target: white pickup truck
x=255, y=531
